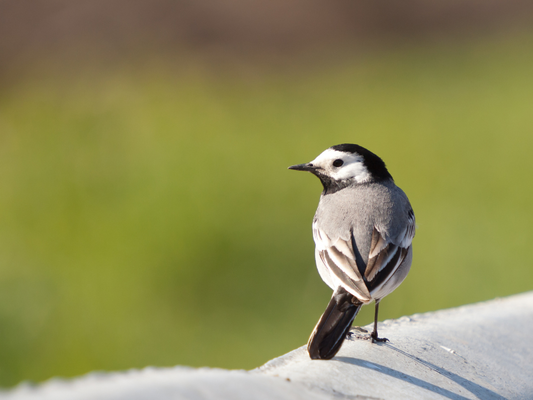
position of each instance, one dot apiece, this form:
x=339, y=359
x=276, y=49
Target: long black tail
x=333, y=326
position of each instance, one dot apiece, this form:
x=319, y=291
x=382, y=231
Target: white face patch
x=352, y=167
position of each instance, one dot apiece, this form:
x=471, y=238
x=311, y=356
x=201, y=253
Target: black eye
x=338, y=162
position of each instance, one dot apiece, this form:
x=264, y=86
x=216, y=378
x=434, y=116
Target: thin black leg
x=374, y=334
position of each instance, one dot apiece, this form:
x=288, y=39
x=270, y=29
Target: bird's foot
x=375, y=339
x=356, y=332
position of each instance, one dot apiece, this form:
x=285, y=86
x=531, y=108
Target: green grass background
x=147, y=216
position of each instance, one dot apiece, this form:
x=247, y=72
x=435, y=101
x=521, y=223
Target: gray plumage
x=363, y=229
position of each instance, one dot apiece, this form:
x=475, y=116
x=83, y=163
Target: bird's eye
x=338, y=162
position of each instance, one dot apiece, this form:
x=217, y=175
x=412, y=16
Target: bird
x=363, y=230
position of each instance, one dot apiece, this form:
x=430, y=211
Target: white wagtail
x=363, y=229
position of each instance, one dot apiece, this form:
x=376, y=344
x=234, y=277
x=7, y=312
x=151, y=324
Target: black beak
x=303, y=167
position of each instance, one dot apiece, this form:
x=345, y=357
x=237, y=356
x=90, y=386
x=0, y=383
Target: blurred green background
x=147, y=216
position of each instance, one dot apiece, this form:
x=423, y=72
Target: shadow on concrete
x=477, y=390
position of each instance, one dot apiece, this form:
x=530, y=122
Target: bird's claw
x=376, y=339
x=356, y=332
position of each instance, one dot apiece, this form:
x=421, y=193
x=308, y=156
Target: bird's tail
x=333, y=326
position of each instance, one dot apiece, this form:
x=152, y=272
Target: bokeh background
x=147, y=216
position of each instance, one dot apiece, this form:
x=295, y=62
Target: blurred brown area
x=31, y=30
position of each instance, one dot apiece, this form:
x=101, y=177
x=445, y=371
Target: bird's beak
x=303, y=167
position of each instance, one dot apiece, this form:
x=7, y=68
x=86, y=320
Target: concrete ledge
x=480, y=351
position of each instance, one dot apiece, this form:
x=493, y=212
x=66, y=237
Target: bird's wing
x=343, y=263
x=386, y=254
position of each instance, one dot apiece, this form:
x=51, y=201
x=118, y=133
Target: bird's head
x=344, y=165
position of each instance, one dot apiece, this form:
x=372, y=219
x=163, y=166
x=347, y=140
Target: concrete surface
x=479, y=351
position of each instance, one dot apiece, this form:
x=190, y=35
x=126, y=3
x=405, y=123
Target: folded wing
x=346, y=266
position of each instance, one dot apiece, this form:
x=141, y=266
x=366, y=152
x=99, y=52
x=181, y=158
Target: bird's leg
x=374, y=334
